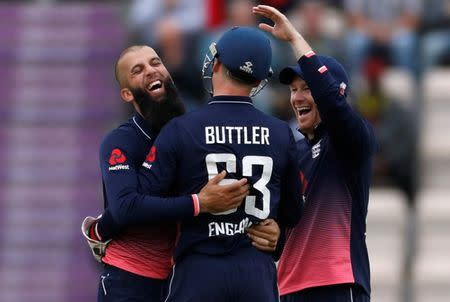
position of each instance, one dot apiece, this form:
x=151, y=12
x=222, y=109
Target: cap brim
x=288, y=74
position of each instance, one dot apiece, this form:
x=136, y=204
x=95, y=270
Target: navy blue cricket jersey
x=145, y=250
x=328, y=245
x=227, y=134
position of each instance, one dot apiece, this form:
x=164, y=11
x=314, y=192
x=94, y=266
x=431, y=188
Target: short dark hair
x=122, y=54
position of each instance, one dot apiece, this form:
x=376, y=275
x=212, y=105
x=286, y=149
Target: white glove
x=97, y=247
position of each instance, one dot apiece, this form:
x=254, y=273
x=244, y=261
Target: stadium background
x=59, y=98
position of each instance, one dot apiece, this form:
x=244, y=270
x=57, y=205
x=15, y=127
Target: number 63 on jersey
x=248, y=162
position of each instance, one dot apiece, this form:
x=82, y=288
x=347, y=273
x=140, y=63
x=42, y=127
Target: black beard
x=158, y=112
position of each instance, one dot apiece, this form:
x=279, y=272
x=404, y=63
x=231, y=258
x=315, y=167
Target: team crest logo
x=117, y=159
x=150, y=158
x=342, y=88
x=247, y=67
x=315, y=150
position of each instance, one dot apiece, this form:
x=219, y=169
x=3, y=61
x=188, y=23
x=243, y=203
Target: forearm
x=299, y=45
x=150, y=210
x=139, y=209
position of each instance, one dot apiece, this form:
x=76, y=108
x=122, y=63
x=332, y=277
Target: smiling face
x=304, y=107
x=146, y=83
x=139, y=67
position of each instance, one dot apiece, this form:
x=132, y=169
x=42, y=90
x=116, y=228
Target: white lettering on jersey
x=228, y=228
x=209, y=135
x=243, y=135
x=119, y=167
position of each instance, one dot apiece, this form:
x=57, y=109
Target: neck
x=138, y=110
x=230, y=90
x=223, y=85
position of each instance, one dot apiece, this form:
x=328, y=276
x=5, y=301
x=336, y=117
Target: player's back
x=230, y=134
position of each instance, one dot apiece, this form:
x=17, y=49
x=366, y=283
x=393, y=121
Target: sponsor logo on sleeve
x=117, y=160
x=150, y=158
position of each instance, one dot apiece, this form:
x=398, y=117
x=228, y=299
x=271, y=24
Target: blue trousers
x=117, y=285
x=332, y=293
x=248, y=275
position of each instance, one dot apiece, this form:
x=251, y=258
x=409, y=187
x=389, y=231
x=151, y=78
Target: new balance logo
x=247, y=67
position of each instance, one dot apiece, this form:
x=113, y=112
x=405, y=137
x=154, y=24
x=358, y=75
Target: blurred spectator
x=396, y=162
x=282, y=5
x=236, y=13
x=389, y=24
x=435, y=30
x=172, y=28
x=321, y=26
x=397, y=158
x=239, y=13
x=149, y=19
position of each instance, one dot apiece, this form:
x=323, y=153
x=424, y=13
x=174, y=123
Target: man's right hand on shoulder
x=215, y=197
x=90, y=233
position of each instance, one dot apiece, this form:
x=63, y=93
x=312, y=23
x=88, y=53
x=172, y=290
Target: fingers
x=263, y=10
x=237, y=196
x=268, y=221
x=262, y=244
x=266, y=27
x=266, y=11
x=264, y=234
x=260, y=12
x=216, y=179
x=241, y=183
x=241, y=191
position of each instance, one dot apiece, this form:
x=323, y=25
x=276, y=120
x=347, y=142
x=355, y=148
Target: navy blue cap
x=246, y=53
x=334, y=67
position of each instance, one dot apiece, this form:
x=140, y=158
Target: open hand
x=282, y=28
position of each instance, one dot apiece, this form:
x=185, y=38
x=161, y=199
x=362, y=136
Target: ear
x=216, y=65
x=126, y=95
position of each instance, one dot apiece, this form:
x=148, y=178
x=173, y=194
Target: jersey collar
x=220, y=99
x=319, y=132
x=144, y=126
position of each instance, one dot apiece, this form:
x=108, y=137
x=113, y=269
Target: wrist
x=300, y=46
x=196, y=203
